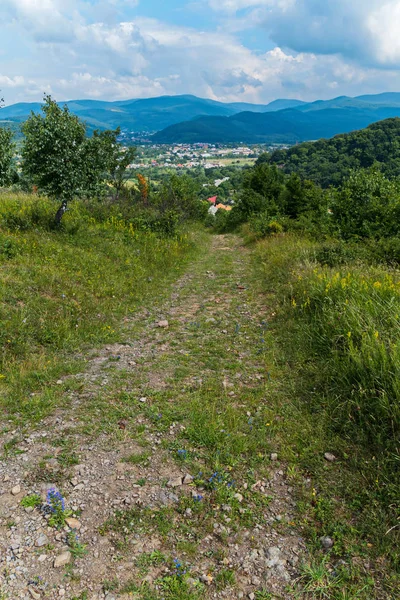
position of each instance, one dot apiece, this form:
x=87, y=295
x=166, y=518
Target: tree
x=54, y=152
x=7, y=148
x=6, y=152
x=64, y=163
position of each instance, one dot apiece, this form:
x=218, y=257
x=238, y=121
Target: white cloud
x=322, y=49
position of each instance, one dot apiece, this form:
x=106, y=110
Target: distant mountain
x=188, y=118
x=147, y=115
x=321, y=119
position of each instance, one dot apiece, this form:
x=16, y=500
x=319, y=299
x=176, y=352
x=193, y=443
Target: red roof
x=212, y=200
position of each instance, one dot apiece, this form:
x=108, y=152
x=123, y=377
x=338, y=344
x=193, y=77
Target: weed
x=225, y=578
x=31, y=501
x=77, y=549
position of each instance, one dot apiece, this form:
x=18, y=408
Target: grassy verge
x=338, y=334
x=64, y=291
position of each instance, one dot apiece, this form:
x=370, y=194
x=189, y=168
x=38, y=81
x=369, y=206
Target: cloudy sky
x=230, y=50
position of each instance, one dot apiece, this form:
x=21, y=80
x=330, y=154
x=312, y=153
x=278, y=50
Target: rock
x=42, y=558
x=326, y=542
x=175, y=482
x=256, y=581
x=207, y=579
x=274, y=557
x=61, y=592
x=34, y=594
x=187, y=479
x=143, y=399
x=238, y=497
x=16, y=490
x=162, y=324
x=42, y=540
x=60, y=382
x=73, y=523
x=274, y=456
x=62, y=559
x=252, y=596
x=330, y=457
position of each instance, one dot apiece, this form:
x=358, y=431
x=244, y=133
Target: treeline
x=362, y=212
x=329, y=162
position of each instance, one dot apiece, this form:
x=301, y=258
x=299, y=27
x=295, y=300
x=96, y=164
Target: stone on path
x=16, y=490
x=42, y=540
x=175, y=482
x=62, y=559
x=163, y=324
x=73, y=523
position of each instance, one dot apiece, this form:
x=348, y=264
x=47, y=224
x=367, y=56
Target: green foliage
x=62, y=162
x=7, y=148
x=31, y=501
x=329, y=162
x=263, y=225
x=53, y=151
x=367, y=206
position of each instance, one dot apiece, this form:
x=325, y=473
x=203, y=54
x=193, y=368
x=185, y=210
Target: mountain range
x=299, y=123
x=189, y=119
x=145, y=115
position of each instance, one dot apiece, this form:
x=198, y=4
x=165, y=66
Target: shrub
x=263, y=225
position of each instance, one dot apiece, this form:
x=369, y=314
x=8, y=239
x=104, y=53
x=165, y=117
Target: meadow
x=66, y=290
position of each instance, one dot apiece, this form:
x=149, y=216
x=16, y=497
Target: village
x=192, y=156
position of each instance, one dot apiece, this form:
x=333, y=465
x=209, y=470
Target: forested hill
x=328, y=162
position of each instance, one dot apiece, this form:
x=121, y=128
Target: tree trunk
x=60, y=212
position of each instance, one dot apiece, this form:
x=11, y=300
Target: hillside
x=286, y=126
x=328, y=162
x=303, y=123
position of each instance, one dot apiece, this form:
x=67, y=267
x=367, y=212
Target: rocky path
x=164, y=457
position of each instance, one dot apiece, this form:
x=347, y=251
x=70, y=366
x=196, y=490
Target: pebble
x=73, y=523
x=62, y=559
x=207, y=579
x=330, y=457
x=34, y=594
x=16, y=490
x=175, y=482
x=42, y=540
x=187, y=479
x=163, y=324
x=326, y=542
x=238, y=497
x=274, y=456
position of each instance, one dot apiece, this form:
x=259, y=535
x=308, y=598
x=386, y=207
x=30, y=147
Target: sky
x=227, y=50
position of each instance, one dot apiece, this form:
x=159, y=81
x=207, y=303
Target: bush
x=263, y=225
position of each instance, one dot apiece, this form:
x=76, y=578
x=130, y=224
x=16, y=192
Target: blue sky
x=230, y=50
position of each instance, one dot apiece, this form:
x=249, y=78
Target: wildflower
x=182, y=453
x=179, y=568
x=198, y=498
x=55, y=501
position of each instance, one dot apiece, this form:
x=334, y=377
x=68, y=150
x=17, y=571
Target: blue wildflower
x=55, y=501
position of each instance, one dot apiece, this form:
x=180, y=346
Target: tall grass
x=339, y=329
x=62, y=291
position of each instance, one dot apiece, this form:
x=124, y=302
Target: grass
x=338, y=335
x=64, y=291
